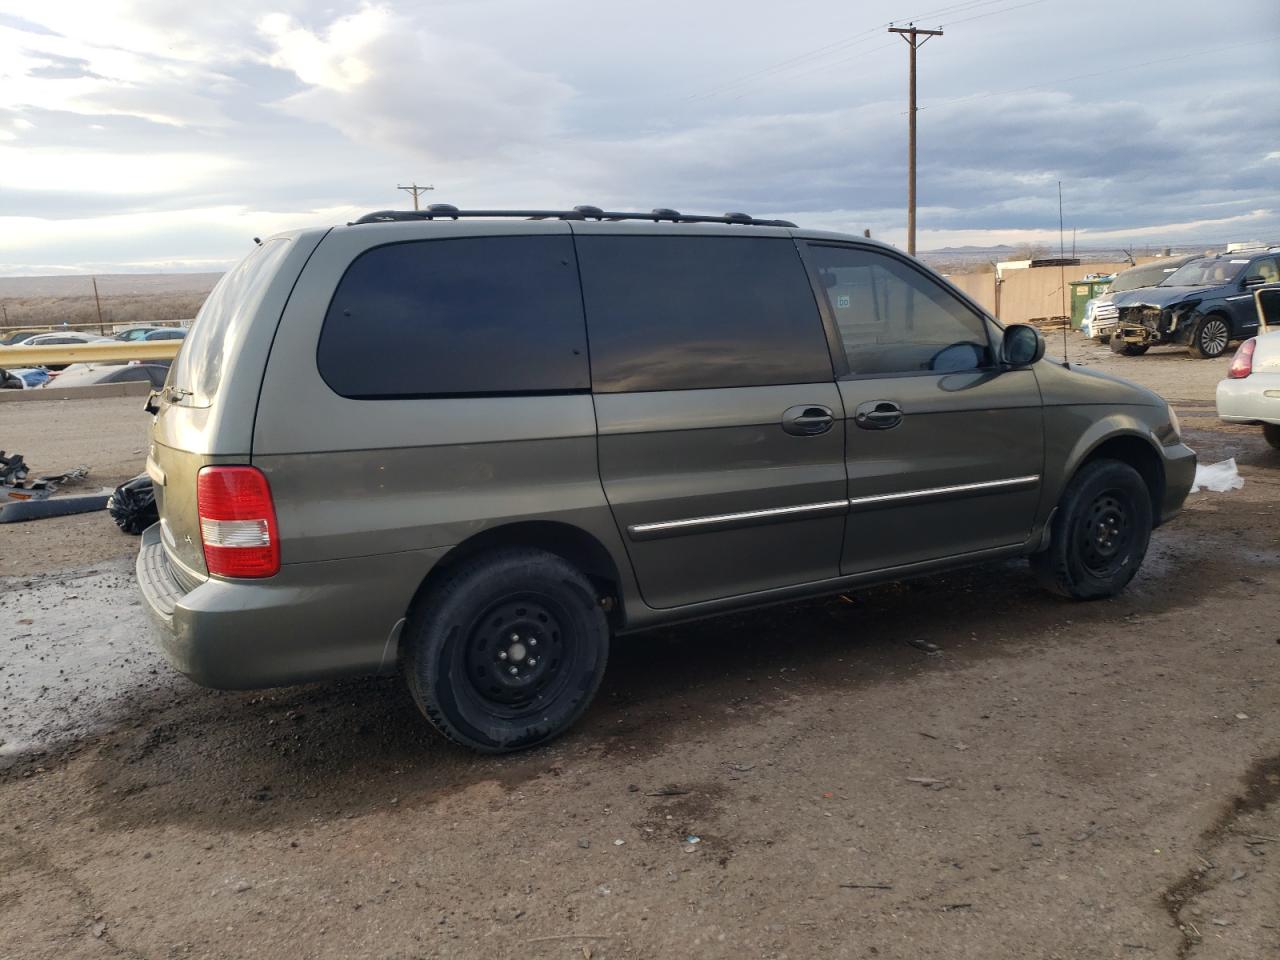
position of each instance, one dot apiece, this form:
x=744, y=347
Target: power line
x=856, y=39
x=1100, y=73
x=834, y=63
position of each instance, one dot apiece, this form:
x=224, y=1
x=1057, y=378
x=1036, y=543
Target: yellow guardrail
x=63, y=353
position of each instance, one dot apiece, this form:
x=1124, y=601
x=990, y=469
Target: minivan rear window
x=691, y=313
x=465, y=316
x=197, y=370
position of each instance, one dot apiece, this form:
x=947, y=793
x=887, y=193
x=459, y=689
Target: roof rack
x=447, y=211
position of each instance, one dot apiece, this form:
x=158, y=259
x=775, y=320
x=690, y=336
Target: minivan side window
x=690, y=313
x=893, y=318
x=469, y=316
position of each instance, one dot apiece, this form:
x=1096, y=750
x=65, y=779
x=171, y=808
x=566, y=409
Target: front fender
x=1185, y=321
x=1075, y=433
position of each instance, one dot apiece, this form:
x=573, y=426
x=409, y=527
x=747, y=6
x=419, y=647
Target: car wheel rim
x=1106, y=534
x=516, y=653
x=1213, y=337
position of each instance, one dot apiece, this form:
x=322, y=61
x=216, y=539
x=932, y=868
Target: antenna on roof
x=1062, y=277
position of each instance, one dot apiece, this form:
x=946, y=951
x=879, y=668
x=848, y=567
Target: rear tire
x=508, y=651
x=1209, y=337
x=1271, y=433
x=1128, y=349
x=1099, y=534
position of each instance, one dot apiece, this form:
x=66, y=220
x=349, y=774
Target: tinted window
x=479, y=315
x=893, y=318
x=683, y=313
x=166, y=335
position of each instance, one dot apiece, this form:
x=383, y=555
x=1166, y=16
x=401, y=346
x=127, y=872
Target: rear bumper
x=1179, y=472
x=310, y=621
x=1251, y=399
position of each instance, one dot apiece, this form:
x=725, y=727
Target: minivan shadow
x=250, y=761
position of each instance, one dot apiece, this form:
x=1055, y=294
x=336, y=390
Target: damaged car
x=1204, y=305
x=1101, y=317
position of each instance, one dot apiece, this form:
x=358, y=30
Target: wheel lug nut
x=515, y=638
x=513, y=670
x=533, y=642
x=533, y=661
x=502, y=654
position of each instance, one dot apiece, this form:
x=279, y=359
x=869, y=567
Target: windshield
x=1147, y=275
x=197, y=370
x=1209, y=272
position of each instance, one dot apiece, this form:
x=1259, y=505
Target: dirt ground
x=1058, y=781
x=107, y=435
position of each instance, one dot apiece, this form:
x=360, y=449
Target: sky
x=154, y=136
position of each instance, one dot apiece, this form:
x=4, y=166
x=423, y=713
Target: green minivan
x=473, y=446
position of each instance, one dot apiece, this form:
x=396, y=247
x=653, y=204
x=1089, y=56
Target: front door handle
x=877, y=415
x=807, y=420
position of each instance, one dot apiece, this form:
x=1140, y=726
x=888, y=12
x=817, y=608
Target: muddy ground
x=1059, y=781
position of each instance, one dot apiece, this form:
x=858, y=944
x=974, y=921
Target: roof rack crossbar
x=444, y=211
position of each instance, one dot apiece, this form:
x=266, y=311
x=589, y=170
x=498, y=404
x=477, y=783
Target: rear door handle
x=807, y=420
x=877, y=415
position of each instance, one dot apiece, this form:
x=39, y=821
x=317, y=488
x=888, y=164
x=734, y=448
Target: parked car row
x=33, y=338
x=86, y=374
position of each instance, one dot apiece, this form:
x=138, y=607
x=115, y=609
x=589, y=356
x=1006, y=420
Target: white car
x=58, y=338
x=1251, y=392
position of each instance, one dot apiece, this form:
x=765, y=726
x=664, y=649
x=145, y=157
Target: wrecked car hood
x=1159, y=296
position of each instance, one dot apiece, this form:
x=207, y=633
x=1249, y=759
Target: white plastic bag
x=1217, y=477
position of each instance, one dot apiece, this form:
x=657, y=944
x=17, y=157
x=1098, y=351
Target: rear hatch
x=204, y=414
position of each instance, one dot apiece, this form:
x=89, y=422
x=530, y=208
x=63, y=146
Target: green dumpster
x=1082, y=291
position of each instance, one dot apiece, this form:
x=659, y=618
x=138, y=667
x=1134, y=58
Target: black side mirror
x=1022, y=345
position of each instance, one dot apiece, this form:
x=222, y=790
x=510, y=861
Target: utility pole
x=416, y=191
x=912, y=35
x=101, y=329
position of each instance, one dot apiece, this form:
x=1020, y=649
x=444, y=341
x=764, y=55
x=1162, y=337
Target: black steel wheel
x=1105, y=533
x=1210, y=337
x=1099, y=533
x=507, y=650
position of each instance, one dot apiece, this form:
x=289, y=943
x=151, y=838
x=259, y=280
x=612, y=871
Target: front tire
x=1271, y=433
x=1099, y=534
x=1210, y=337
x=508, y=651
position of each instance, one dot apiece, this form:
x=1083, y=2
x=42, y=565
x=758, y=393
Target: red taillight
x=237, y=522
x=1242, y=365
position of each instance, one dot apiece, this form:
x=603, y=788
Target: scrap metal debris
x=24, y=498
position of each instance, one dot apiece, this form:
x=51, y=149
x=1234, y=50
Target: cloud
x=144, y=109
x=57, y=67
x=384, y=80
